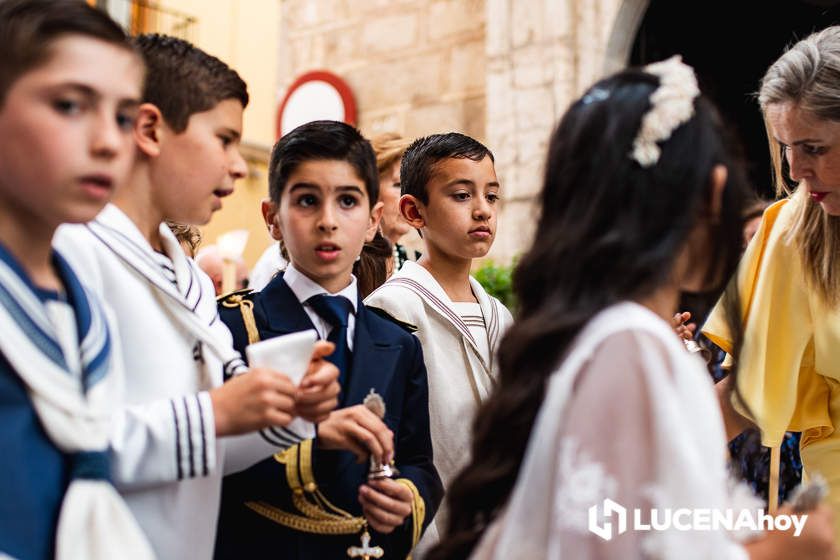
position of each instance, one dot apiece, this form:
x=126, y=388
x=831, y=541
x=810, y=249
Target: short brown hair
x=389, y=147
x=184, y=80
x=29, y=27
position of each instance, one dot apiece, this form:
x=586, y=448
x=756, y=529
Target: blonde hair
x=808, y=75
x=389, y=148
x=188, y=236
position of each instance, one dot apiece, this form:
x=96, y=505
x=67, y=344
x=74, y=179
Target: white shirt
x=304, y=288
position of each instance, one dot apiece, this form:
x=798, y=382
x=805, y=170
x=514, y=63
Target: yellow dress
x=789, y=366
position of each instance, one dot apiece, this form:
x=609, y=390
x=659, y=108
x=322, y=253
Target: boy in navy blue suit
x=315, y=500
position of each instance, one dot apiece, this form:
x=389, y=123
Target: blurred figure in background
x=389, y=148
x=211, y=262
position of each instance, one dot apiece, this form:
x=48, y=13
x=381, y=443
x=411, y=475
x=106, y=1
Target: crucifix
x=365, y=552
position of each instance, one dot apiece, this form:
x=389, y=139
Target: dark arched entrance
x=731, y=43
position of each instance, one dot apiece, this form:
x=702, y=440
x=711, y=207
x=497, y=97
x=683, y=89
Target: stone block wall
x=503, y=71
x=415, y=66
x=541, y=55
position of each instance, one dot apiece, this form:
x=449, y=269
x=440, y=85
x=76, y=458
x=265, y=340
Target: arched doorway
x=731, y=49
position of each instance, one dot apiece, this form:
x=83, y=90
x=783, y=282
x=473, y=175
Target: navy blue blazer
x=385, y=358
x=34, y=474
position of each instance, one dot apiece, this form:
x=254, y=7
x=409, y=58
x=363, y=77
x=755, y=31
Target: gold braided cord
x=418, y=510
x=246, y=308
x=305, y=524
x=320, y=517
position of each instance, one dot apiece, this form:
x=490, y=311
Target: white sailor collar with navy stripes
x=117, y=232
x=416, y=278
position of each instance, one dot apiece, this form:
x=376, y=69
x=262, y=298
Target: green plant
x=498, y=281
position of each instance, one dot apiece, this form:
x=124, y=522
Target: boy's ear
x=269, y=212
x=375, y=218
x=147, y=129
x=412, y=211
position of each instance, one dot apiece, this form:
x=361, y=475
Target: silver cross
x=365, y=552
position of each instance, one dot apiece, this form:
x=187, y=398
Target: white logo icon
x=610, y=508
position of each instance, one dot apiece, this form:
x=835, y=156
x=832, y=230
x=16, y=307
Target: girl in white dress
x=597, y=398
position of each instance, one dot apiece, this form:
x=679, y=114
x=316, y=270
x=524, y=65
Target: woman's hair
x=187, y=235
x=808, y=75
x=371, y=269
x=610, y=230
x=389, y=148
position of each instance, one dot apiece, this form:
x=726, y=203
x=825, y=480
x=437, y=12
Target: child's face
x=196, y=168
x=66, y=139
x=324, y=219
x=460, y=218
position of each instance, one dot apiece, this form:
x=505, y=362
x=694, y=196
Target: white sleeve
x=155, y=442
x=163, y=441
x=244, y=451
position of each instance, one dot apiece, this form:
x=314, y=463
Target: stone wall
x=541, y=55
x=415, y=66
x=503, y=71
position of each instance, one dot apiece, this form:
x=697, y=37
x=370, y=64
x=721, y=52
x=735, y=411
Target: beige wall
x=244, y=34
x=415, y=66
x=541, y=55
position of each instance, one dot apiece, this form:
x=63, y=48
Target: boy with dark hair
x=450, y=195
x=314, y=500
x=69, y=89
x=169, y=442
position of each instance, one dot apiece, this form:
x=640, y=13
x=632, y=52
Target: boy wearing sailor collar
x=450, y=195
x=316, y=500
x=69, y=88
x=167, y=442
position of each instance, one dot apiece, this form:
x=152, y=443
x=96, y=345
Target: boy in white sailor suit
x=449, y=194
x=168, y=453
x=69, y=81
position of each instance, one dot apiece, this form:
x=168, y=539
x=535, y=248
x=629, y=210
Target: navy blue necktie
x=336, y=310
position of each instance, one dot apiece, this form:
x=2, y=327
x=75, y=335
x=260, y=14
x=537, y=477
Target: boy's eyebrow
x=91, y=93
x=469, y=182
x=345, y=188
x=303, y=185
x=236, y=135
x=340, y=188
x=80, y=88
x=129, y=102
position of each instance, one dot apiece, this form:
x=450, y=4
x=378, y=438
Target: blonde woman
x=789, y=278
